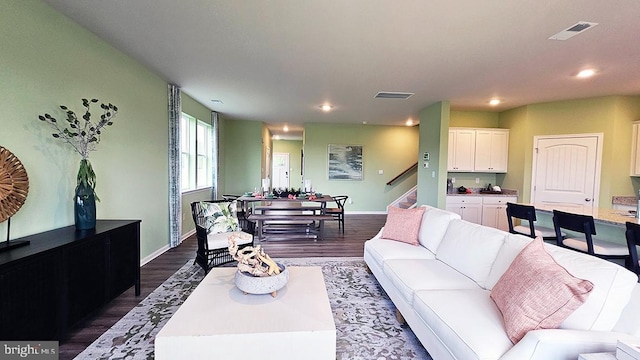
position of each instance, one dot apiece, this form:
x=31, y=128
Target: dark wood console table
x=63, y=275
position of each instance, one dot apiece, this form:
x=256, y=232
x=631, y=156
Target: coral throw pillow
x=403, y=225
x=537, y=293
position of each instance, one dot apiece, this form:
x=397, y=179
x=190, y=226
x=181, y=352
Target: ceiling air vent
x=393, y=95
x=573, y=30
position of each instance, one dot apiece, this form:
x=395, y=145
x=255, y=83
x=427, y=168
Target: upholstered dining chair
x=633, y=241
x=584, y=224
x=216, y=221
x=338, y=212
x=528, y=213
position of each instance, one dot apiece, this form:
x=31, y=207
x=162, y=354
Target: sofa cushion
x=537, y=293
x=403, y=224
x=470, y=248
x=467, y=321
x=512, y=246
x=409, y=276
x=384, y=249
x=434, y=225
x=612, y=287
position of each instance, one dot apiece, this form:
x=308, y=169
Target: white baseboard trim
x=163, y=249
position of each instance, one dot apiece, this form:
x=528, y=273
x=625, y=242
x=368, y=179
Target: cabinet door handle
x=587, y=199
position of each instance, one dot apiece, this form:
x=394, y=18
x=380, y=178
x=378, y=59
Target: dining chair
x=215, y=221
x=528, y=213
x=584, y=224
x=633, y=241
x=338, y=212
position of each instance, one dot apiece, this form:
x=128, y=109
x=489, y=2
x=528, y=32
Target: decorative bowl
x=250, y=284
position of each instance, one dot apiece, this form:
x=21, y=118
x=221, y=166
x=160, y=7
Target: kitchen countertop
x=476, y=192
x=609, y=216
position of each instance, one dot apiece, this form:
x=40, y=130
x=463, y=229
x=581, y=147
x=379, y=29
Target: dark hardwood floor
x=358, y=229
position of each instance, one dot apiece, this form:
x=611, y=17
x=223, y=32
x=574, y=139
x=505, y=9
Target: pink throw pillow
x=537, y=293
x=403, y=225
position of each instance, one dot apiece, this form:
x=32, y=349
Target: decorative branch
x=83, y=135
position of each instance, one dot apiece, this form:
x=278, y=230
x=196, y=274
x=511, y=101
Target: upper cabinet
x=462, y=149
x=635, y=149
x=478, y=150
x=492, y=147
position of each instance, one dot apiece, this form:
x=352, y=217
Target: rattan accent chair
x=212, y=245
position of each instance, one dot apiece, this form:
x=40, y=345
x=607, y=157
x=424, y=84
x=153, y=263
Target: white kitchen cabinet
x=462, y=148
x=492, y=147
x=468, y=207
x=494, y=211
x=635, y=149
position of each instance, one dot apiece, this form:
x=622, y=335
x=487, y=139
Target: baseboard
x=163, y=249
x=380, y=212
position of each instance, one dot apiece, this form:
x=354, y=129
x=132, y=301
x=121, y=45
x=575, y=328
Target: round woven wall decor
x=14, y=184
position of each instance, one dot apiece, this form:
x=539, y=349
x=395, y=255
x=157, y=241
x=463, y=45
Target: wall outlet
x=350, y=201
x=380, y=172
x=477, y=180
x=433, y=174
x=453, y=180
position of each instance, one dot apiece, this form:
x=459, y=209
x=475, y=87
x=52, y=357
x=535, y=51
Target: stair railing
x=408, y=170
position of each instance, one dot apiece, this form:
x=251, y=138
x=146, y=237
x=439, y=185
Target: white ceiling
x=277, y=61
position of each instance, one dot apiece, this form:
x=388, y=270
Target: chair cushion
x=221, y=240
x=471, y=249
x=403, y=224
x=600, y=247
x=434, y=225
x=537, y=293
x=220, y=217
x=545, y=232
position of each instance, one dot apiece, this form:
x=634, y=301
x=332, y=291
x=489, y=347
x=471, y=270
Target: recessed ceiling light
x=586, y=73
x=285, y=128
x=494, y=102
x=326, y=107
x=409, y=122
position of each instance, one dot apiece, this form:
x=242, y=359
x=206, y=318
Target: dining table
x=287, y=217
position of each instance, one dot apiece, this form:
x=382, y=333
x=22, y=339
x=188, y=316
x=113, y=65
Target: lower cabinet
x=494, y=211
x=468, y=207
x=484, y=210
x=63, y=275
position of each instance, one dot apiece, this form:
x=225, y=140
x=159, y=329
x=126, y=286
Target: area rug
x=365, y=320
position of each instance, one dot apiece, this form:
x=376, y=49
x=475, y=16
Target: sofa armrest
x=564, y=344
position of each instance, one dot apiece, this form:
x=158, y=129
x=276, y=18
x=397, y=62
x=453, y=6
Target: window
x=196, y=159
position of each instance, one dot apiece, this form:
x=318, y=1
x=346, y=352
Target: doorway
x=280, y=170
x=566, y=172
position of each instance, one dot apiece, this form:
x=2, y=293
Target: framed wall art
x=345, y=162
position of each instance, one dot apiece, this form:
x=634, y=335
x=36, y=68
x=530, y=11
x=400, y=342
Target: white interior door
x=566, y=172
x=280, y=170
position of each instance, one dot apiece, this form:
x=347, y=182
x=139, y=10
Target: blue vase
x=84, y=207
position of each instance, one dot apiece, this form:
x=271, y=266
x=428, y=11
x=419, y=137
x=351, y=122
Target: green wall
x=611, y=115
x=48, y=60
x=391, y=149
x=434, y=139
x=291, y=147
x=241, y=164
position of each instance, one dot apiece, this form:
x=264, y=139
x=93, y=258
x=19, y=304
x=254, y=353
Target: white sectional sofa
x=442, y=287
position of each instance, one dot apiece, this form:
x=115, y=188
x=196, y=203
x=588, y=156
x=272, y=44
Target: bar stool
x=584, y=224
x=633, y=240
x=528, y=212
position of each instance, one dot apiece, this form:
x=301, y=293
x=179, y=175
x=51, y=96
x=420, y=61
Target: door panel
x=565, y=172
x=280, y=170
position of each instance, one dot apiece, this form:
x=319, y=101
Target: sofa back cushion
x=612, y=284
x=611, y=292
x=434, y=225
x=471, y=249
